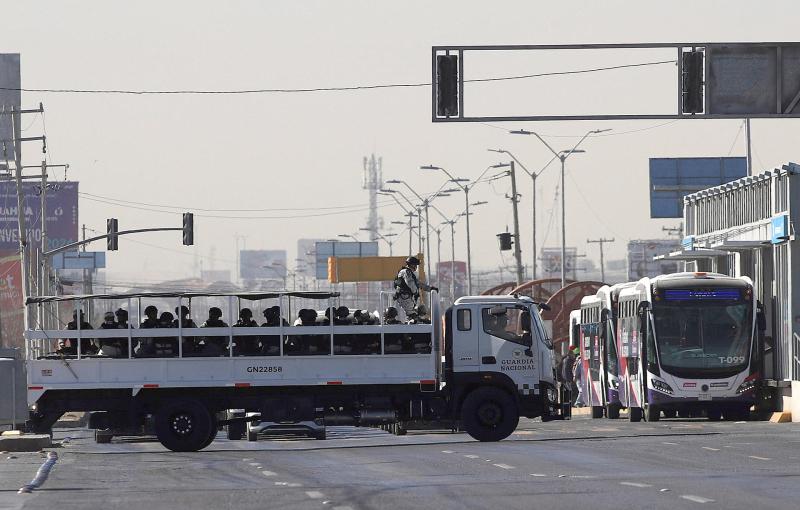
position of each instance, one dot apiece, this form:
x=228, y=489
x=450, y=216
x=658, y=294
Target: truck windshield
x=703, y=332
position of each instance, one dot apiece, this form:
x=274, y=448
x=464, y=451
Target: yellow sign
x=367, y=269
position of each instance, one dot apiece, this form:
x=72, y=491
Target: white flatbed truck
x=483, y=363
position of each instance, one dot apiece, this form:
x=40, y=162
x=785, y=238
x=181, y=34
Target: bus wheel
x=184, y=425
x=651, y=413
x=714, y=414
x=489, y=414
x=635, y=414
x=612, y=411
x=597, y=411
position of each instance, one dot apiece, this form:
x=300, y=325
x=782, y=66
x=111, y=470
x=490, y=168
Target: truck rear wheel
x=635, y=414
x=651, y=413
x=612, y=411
x=184, y=425
x=489, y=414
x=597, y=412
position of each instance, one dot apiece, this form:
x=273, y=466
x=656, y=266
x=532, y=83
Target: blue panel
x=326, y=249
x=684, y=176
x=780, y=229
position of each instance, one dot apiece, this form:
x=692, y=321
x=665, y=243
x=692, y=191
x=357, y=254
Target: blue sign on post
x=671, y=179
x=780, y=229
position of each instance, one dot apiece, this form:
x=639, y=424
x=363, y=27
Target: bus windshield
x=703, y=332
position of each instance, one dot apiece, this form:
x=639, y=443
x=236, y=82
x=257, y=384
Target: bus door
x=590, y=357
x=608, y=358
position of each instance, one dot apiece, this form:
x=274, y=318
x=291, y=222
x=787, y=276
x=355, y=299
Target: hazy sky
x=304, y=151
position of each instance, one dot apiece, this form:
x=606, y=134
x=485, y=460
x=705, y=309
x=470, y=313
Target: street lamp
x=562, y=156
x=465, y=188
x=533, y=176
x=351, y=236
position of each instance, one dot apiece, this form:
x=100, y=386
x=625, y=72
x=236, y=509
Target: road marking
x=503, y=466
x=315, y=494
x=709, y=448
x=672, y=444
x=697, y=499
x=255, y=464
x=636, y=484
x=294, y=484
x=663, y=490
x=447, y=451
x=758, y=458
x=471, y=456
x=268, y=473
x=281, y=483
x=246, y=460
x=538, y=474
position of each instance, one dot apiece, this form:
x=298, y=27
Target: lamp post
x=562, y=156
x=465, y=188
x=533, y=176
x=410, y=227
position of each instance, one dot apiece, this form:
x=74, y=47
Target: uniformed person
x=407, y=286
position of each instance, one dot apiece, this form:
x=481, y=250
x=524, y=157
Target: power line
x=325, y=89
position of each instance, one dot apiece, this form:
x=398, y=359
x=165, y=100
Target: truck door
x=506, y=344
x=466, y=354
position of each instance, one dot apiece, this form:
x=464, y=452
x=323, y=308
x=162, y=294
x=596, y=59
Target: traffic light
x=112, y=241
x=692, y=82
x=447, y=85
x=188, y=229
x=505, y=241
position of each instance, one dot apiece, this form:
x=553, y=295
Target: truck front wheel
x=489, y=414
x=184, y=425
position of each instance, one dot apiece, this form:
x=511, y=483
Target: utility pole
x=514, y=201
x=601, y=242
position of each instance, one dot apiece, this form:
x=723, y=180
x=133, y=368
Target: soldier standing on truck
x=407, y=287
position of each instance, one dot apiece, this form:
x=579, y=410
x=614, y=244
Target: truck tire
x=635, y=414
x=597, y=412
x=236, y=430
x=489, y=414
x=103, y=436
x=184, y=425
x=211, y=437
x=612, y=411
x=651, y=413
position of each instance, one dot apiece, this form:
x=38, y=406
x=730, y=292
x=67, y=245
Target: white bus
x=687, y=342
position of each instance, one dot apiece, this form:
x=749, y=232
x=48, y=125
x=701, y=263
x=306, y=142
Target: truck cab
x=500, y=342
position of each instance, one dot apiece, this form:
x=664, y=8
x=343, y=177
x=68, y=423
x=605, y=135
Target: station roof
x=251, y=296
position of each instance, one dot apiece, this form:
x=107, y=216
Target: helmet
x=108, y=316
x=214, y=312
x=184, y=311
x=390, y=313
x=342, y=312
x=412, y=261
x=121, y=313
x=150, y=310
x=246, y=313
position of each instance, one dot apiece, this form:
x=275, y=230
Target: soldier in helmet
x=246, y=345
x=407, y=286
x=215, y=345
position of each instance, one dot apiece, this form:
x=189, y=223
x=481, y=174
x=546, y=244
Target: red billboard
x=11, y=310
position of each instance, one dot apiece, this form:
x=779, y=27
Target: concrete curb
x=781, y=417
x=25, y=443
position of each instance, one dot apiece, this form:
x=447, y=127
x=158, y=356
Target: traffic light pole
x=77, y=244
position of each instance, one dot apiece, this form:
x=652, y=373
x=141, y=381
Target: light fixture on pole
x=562, y=156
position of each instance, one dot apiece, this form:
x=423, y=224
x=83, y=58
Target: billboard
x=368, y=269
x=11, y=315
x=262, y=264
x=10, y=96
x=62, y=214
x=640, y=258
x=551, y=262
x=325, y=249
x=306, y=256
x=671, y=179
x=444, y=276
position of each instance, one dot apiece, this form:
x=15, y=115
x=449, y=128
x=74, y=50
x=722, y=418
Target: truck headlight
x=661, y=386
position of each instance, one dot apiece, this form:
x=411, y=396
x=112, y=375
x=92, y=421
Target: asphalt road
x=583, y=463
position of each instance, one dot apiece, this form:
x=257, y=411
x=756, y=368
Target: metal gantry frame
x=783, y=109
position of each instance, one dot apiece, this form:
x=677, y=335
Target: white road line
x=697, y=499
x=447, y=451
x=758, y=458
x=672, y=444
x=281, y=483
x=538, y=474
x=246, y=460
x=294, y=484
x=255, y=464
x=709, y=448
x=471, y=456
x=503, y=466
x=663, y=490
x=268, y=473
x=636, y=484
x=315, y=494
